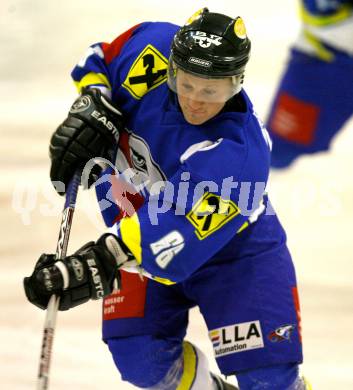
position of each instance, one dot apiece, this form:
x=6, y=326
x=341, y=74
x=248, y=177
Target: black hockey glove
x=90, y=130
x=90, y=273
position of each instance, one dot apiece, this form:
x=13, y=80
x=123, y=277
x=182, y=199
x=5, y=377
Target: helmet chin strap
x=237, y=81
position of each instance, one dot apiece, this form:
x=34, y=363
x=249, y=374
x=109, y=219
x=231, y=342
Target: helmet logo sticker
x=200, y=62
x=206, y=40
x=239, y=28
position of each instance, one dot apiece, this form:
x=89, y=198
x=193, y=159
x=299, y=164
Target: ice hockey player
x=191, y=221
x=314, y=97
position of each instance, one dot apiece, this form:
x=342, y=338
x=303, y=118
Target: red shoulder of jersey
x=112, y=50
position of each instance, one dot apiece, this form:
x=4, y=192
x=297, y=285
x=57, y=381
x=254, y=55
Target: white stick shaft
x=53, y=305
x=47, y=342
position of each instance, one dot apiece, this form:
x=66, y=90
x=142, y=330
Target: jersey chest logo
x=147, y=72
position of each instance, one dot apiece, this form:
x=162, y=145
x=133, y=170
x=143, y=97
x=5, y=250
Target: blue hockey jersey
x=181, y=192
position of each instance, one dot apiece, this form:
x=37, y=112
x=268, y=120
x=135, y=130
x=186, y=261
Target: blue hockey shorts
x=247, y=295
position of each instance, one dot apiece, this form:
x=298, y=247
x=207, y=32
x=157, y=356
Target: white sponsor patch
x=236, y=338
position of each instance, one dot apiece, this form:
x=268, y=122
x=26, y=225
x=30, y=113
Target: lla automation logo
x=236, y=338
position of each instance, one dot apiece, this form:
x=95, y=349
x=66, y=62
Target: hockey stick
x=53, y=305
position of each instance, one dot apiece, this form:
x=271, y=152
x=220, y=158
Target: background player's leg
x=312, y=104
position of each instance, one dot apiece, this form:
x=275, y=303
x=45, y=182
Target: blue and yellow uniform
x=314, y=97
x=190, y=203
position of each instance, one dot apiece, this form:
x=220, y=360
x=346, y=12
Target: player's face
x=201, y=99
